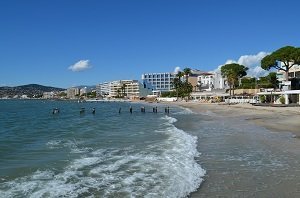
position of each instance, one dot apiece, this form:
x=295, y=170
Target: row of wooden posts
x=143, y=110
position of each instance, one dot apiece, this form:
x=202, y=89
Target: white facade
x=209, y=81
x=126, y=88
x=83, y=91
x=122, y=88
x=294, y=73
x=48, y=95
x=102, y=89
x=72, y=92
x=158, y=81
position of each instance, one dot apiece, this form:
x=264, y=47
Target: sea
x=108, y=153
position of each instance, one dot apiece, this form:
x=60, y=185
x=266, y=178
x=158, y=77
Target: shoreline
x=276, y=119
x=245, y=149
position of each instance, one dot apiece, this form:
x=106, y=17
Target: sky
x=64, y=43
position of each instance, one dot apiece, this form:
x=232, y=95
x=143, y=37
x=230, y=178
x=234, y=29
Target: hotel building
x=73, y=92
x=122, y=88
x=158, y=82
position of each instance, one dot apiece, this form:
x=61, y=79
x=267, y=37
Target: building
x=102, y=89
x=158, y=82
x=48, y=95
x=207, y=81
x=122, y=88
x=73, y=92
x=293, y=81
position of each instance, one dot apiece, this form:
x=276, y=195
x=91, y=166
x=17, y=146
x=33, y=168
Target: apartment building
x=207, y=81
x=73, y=92
x=127, y=88
x=122, y=88
x=102, y=89
x=293, y=81
x=158, y=81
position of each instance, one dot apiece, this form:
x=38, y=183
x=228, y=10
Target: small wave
x=184, y=111
x=164, y=169
x=73, y=145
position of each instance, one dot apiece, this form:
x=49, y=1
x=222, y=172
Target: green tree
x=118, y=93
x=288, y=55
x=177, y=83
x=183, y=89
x=187, y=72
x=187, y=89
x=272, y=79
x=233, y=72
x=123, y=87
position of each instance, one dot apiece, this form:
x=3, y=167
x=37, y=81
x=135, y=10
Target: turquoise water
x=106, y=154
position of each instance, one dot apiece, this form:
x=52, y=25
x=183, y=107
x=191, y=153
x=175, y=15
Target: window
x=291, y=75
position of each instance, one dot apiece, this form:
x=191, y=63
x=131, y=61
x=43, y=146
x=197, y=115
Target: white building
x=122, y=88
x=158, y=81
x=48, y=95
x=73, y=92
x=83, y=91
x=293, y=81
x=126, y=88
x=102, y=89
x=209, y=81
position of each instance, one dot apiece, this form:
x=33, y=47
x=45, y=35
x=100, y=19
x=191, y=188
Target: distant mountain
x=31, y=90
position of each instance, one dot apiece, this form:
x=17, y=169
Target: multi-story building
x=208, y=81
x=290, y=81
x=126, y=88
x=48, y=95
x=73, y=92
x=122, y=88
x=158, y=81
x=102, y=89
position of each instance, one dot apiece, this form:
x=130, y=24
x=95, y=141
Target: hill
x=31, y=90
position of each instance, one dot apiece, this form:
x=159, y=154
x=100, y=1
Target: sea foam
x=163, y=169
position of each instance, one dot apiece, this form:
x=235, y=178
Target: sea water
x=106, y=154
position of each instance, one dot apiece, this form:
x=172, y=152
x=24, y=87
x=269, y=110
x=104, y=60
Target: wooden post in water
x=82, y=110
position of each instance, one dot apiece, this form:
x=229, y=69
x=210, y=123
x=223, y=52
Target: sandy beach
x=247, y=151
x=279, y=119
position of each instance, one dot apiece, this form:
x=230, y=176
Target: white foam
x=165, y=169
x=184, y=111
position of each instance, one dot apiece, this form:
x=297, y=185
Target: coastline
x=247, y=151
x=277, y=119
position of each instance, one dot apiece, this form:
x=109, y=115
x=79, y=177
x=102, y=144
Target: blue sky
x=121, y=39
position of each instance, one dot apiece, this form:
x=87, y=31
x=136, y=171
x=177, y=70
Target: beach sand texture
x=247, y=151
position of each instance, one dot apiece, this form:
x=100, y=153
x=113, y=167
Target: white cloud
x=80, y=66
x=252, y=62
x=176, y=70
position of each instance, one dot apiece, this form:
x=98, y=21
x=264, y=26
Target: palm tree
x=179, y=75
x=123, y=87
x=187, y=71
x=118, y=93
x=177, y=82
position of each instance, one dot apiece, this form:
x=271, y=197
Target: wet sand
x=279, y=119
x=247, y=151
